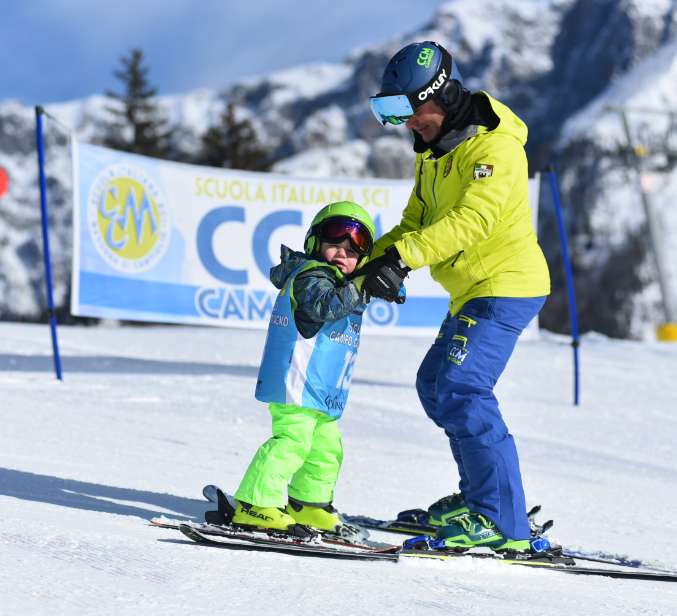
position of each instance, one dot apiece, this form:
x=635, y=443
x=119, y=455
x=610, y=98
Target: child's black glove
x=384, y=275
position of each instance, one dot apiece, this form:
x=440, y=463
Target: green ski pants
x=301, y=460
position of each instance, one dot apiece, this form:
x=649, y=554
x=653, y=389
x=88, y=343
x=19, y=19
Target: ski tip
x=216, y=495
x=533, y=511
x=210, y=492
x=192, y=534
x=413, y=516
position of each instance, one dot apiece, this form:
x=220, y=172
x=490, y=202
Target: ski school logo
x=482, y=171
x=457, y=351
x=457, y=354
x=425, y=56
x=127, y=218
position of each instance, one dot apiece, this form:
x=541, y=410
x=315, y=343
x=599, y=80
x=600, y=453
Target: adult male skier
x=468, y=219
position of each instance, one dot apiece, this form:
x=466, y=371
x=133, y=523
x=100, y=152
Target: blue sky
x=56, y=50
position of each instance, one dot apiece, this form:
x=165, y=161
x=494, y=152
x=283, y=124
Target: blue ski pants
x=455, y=384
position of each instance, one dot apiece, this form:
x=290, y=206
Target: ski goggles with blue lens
x=391, y=109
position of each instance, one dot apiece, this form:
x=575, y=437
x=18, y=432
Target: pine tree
x=233, y=144
x=139, y=125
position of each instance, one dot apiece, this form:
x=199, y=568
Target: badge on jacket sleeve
x=482, y=170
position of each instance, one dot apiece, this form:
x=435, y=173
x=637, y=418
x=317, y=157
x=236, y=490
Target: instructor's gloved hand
x=384, y=275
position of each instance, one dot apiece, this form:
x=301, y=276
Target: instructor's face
x=427, y=121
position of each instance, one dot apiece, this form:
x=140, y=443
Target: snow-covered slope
x=146, y=416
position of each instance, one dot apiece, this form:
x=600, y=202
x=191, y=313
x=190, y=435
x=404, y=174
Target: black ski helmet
x=423, y=71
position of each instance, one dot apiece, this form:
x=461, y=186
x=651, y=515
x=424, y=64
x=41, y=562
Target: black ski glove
x=384, y=275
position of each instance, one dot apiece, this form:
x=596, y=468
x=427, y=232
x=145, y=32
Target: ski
x=289, y=545
x=559, y=565
x=285, y=545
x=278, y=537
x=616, y=560
x=226, y=505
x=210, y=492
x=409, y=522
x=415, y=522
x=401, y=527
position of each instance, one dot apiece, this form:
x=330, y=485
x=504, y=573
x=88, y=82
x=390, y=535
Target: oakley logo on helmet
x=434, y=86
x=425, y=56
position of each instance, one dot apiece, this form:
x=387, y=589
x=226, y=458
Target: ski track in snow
x=147, y=415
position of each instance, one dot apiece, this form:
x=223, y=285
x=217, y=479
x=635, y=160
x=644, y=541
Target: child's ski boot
x=235, y=513
x=269, y=518
x=324, y=518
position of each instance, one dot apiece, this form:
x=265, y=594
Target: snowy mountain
x=146, y=416
x=611, y=243
x=554, y=61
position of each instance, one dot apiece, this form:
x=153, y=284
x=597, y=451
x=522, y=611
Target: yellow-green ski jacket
x=468, y=217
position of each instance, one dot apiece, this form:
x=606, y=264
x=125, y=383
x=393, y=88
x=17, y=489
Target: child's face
x=342, y=255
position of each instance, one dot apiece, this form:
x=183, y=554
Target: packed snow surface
x=146, y=415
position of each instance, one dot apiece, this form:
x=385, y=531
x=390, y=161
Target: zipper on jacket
x=419, y=192
x=456, y=258
x=434, y=183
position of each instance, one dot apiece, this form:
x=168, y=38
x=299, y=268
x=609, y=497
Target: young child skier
x=305, y=372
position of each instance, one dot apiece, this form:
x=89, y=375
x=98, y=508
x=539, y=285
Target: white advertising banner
x=170, y=242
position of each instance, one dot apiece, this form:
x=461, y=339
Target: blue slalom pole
x=40, y=142
x=569, y=277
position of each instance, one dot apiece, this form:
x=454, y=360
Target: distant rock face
x=548, y=59
x=601, y=177
x=325, y=127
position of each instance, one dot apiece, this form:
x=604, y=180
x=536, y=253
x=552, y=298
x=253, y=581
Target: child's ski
x=255, y=535
x=287, y=545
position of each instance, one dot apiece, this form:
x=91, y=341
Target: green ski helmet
x=338, y=221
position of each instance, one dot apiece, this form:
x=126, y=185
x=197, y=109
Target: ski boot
x=327, y=520
x=443, y=511
x=476, y=531
x=472, y=530
x=324, y=518
x=269, y=519
x=440, y=513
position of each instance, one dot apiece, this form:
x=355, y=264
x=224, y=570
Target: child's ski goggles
x=392, y=109
x=335, y=230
